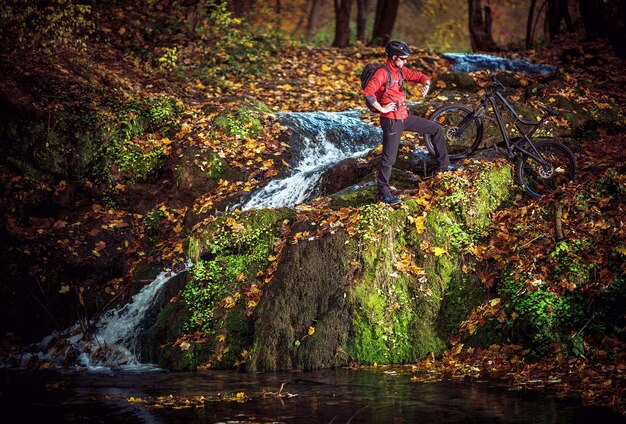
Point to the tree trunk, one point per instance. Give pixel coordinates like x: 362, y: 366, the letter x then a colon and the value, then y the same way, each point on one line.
x: 556, y: 13
x: 529, y: 24
x: 386, y: 11
x: 605, y: 18
x: 592, y: 13
x: 617, y: 25
x: 314, y: 14
x: 241, y: 7
x: 342, y: 23
x: 480, y: 22
x: 361, y: 19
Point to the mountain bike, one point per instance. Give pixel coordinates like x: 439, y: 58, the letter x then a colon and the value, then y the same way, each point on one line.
x: 541, y: 165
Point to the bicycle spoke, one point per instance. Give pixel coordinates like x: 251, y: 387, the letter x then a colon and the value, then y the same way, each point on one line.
x: 540, y: 179
x: 462, y: 136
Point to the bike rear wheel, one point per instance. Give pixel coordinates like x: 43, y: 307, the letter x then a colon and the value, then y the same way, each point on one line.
x: 461, y: 142
x: 538, y: 180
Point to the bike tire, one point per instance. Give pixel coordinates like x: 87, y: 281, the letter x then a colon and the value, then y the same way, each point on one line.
x: 459, y: 145
x: 537, y: 181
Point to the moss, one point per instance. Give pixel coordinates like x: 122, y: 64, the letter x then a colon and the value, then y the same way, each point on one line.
x: 244, y: 121
x: 238, y: 331
x: 227, y: 255
x: 457, y: 80
x: 350, y: 290
x: 392, y: 312
x: 357, y: 195
x: 308, y: 290
x: 493, y: 189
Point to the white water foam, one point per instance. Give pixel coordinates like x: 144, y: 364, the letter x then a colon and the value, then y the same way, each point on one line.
x: 327, y: 138
x: 114, y: 343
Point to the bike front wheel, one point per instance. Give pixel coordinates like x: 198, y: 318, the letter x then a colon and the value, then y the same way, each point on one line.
x: 461, y: 131
x: 539, y: 179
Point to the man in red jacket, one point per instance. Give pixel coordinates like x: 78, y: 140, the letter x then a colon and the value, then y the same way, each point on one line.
x: 394, y: 116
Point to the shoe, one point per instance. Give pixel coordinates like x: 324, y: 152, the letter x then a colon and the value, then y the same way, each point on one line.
x: 390, y: 199
x: 450, y: 168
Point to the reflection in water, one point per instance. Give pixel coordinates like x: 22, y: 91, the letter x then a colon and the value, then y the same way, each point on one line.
x: 338, y: 396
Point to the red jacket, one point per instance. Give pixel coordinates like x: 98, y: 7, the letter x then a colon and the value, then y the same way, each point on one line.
x: 395, y: 93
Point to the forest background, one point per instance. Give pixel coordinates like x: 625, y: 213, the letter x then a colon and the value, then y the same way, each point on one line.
x: 104, y: 103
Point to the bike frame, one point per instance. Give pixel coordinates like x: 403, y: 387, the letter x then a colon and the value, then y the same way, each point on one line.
x: 512, y: 147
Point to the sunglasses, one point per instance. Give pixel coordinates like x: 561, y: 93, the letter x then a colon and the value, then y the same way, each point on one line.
x: 404, y: 59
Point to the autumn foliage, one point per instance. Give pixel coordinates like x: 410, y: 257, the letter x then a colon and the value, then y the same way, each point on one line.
x: 99, y: 227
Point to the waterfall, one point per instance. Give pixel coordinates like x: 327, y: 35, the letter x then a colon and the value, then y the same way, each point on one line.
x: 114, y: 342
x: 472, y: 62
x: 319, y: 141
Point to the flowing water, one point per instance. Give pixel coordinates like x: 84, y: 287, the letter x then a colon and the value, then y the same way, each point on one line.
x: 319, y: 140
x: 472, y: 62
x: 112, y: 344
x: 108, y: 383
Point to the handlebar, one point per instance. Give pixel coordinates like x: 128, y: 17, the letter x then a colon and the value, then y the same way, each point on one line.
x: 496, y: 84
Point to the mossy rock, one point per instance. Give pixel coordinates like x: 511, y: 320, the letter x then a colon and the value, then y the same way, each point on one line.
x: 343, y: 298
x: 456, y: 80
x: 245, y: 121
x: 199, y: 171
x: 308, y: 290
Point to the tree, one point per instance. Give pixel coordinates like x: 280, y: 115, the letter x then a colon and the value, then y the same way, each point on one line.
x: 556, y: 13
x: 342, y: 23
x: 530, y: 24
x: 386, y: 12
x: 361, y: 19
x: 606, y: 19
x: 314, y: 13
x: 480, y: 22
x: 241, y: 7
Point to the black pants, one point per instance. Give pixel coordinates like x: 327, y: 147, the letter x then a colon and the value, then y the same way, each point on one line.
x: 392, y: 131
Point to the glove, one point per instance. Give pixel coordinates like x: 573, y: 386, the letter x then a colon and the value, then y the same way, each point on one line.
x: 425, y: 89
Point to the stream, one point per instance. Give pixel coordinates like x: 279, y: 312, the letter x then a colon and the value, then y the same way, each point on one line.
x: 101, y: 378
x: 319, y: 140
x: 380, y: 395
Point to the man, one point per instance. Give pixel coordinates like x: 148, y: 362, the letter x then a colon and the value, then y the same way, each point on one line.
x: 394, y: 116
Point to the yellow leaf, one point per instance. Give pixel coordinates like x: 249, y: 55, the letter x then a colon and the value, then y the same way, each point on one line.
x: 311, y: 330
x: 185, y: 345
x: 494, y: 302
x: 178, y: 228
x: 438, y: 251
x: 420, y: 224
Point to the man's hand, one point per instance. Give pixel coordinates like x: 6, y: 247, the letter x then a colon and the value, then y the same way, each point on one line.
x: 389, y: 107
x: 425, y: 89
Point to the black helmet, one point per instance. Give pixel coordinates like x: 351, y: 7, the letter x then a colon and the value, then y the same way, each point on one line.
x: 398, y: 48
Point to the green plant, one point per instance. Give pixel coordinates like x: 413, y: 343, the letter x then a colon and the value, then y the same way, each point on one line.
x: 44, y: 26
x: 541, y: 319
x: 135, y: 148
x: 168, y: 60
x: 237, y: 48
x: 153, y: 223
x: 236, y: 249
